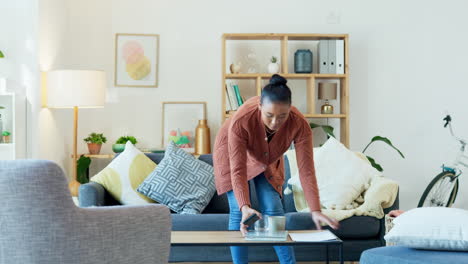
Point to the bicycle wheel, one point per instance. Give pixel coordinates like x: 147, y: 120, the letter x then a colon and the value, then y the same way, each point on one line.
x: 441, y: 191
x: 454, y: 193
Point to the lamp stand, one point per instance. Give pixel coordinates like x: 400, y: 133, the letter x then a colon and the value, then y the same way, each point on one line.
x: 74, y: 185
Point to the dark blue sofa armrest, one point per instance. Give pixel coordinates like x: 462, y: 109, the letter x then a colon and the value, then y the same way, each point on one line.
x: 94, y: 194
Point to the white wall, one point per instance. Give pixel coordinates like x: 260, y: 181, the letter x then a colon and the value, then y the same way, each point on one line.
x: 54, y: 47
x: 18, y: 41
x: 407, y: 66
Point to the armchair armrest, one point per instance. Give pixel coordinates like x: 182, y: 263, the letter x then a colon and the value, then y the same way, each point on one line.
x: 94, y: 194
x: 123, y: 234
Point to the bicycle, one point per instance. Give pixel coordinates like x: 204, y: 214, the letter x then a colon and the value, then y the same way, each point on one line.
x: 442, y: 190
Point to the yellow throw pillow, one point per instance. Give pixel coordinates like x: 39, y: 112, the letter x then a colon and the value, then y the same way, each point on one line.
x: 124, y: 174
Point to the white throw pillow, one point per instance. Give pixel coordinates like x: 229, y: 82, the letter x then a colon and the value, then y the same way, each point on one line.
x: 436, y: 228
x: 341, y: 175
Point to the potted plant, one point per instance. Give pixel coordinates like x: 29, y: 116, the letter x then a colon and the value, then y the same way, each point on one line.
x: 95, y: 142
x: 6, y: 136
x: 273, y: 67
x: 119, y: 145
x: 329, y: 131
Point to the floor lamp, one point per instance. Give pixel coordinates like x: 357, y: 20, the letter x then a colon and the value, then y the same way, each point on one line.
x: 75, y: 89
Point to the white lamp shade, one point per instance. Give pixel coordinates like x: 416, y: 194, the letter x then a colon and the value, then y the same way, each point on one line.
x: 81, y: 88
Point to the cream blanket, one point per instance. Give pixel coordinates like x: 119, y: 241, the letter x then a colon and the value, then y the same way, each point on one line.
x: 381, y: 193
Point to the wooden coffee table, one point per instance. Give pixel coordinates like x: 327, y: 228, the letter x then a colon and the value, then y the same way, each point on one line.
x: 235, y: 238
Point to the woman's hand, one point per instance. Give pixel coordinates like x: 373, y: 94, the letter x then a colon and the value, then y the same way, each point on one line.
x: 246, y: 213
x: 320, y: 218
x: 395, y: 213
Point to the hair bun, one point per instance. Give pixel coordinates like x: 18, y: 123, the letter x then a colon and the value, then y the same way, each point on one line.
x: 277, y: 79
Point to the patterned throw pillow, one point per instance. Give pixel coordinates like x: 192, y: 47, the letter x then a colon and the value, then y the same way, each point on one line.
x: 124, y: 174
x: 181, y: 182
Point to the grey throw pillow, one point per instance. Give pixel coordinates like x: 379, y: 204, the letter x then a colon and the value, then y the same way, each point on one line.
x: 180, y: 181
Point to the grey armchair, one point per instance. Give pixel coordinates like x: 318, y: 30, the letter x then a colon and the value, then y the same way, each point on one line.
x: 39, y: 223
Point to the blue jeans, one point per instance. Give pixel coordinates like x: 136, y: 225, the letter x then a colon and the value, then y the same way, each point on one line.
x: 270, y: 204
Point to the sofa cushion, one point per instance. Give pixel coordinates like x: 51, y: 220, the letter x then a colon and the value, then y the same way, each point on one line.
x: 357, y: 227
x: 181, y: 182
x: 204, y: 222
x: 124, y: 174
x: 399, y: 254
x: 340, y: 185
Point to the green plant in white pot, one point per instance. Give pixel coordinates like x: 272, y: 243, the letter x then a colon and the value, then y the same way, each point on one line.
x: 273, y: 67
x: 119, y: 145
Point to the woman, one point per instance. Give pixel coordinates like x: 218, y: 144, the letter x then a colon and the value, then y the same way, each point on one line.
x: 250, y: 147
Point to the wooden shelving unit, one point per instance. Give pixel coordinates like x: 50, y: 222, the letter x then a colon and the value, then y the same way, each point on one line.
x: 310, y: 79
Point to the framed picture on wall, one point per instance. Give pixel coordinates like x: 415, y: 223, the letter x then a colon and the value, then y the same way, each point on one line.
x: 136, y: 60
x: 179, y: 120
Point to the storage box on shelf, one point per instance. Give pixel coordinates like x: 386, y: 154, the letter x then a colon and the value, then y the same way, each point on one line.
x: 286, y: 56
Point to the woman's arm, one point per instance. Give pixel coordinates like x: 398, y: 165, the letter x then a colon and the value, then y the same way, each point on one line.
x: 305, y: 163
x: 237, y: 147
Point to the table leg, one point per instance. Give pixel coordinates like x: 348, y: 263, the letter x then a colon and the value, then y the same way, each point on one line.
x: 341, y: 253
x: 326, y: 254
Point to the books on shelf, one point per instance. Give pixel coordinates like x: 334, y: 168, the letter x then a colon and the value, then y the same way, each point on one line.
x: 238, y: 95
x: 331, y: 56
x: 233, y: 97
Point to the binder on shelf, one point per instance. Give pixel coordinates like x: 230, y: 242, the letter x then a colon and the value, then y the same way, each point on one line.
x: 340, y: 56
x: 332, y: 56
x: 232, y: 96
x: 238, y: 96
x: 228, y: 101
x: 323, y: 56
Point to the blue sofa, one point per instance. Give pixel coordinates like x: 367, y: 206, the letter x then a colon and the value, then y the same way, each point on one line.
x: 404, y: 255
x: 358, y: 232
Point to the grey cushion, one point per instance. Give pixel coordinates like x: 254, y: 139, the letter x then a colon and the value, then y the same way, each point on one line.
x: 404, y: 255
x: 181, y: 182
x: 200, y: 222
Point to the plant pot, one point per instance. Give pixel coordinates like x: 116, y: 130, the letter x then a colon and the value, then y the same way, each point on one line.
x: 6, y: 139
x: 117, y: 148
x: 273, y: 68
x: 94, y: 148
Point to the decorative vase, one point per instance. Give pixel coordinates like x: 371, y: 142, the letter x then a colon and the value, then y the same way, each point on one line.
x: 303, y: 61
x: 117, y: 148
x: 94, y: 148
x: 273, y: 68
x: 6, y: 139
x: 235, y: 68
x: 202, y: 138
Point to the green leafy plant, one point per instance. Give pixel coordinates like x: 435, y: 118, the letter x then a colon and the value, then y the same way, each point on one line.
x: 124, y: 139
x: 326, y: 128
x: 95, y: 138
x: 273, y: 59
x: 82, y: 165
x: 385, y: 140
x: 1, y: 54
x: 6, y: 133
x: 329, y: 131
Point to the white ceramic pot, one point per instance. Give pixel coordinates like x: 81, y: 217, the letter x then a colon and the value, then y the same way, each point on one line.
x: 273, y: 68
